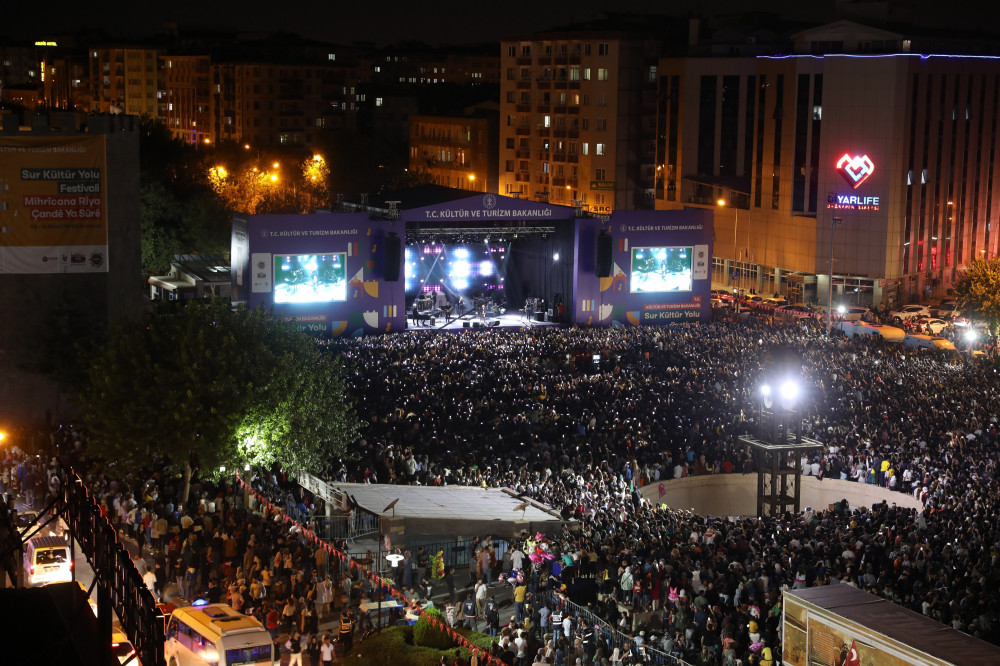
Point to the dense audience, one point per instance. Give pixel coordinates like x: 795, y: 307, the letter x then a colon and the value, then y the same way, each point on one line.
x: 532, y: 410
x: 581, y: 419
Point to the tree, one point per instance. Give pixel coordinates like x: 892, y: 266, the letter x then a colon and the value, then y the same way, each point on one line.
x: 977, y: 290
x: 179, y: 213
x: 206, y: 385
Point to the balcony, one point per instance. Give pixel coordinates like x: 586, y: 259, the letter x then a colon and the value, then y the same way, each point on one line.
x: 524, y: 84
x: 524, y: 61
x: 559, y: 133
x: 523, y: 108
x: 573, y: 110
x: 522, y: 131
x: 522, y: 154
x: 543, y: 84
x: 562, y: 85
x: 558, y: 181
x: 573, y: 134
x: 543, y: 108
x: 560, y: 109
x: 522, y: 177
x: 558, y: 157
x: 543, y: 155
x: 545, y: 60
x: 574, y: 85
x: 572, y: 158
x: 544, y: 131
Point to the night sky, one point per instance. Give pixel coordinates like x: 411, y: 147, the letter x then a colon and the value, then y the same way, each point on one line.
x: 390, y: 21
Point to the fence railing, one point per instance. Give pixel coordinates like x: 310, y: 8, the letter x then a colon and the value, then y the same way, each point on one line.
x: 615, y: 638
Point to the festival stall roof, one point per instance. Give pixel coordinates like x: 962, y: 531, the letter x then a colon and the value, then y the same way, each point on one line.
x: 451, y: 510
x: 901, y: 625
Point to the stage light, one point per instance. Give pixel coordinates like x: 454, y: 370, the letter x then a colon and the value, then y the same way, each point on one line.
x: 971, y: 335
x: 461, y: 269
x: 555, y: 257
x: 789, y: 393
x: 765, y: 390
x: 485, y: 268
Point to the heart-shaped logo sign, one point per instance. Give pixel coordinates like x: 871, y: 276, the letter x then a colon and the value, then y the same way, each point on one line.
x: 855, y: 170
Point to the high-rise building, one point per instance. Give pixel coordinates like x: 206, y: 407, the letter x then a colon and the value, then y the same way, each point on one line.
x: 456, y: 151
x: 577, y: 114
x: 187, y: 97
x: 889, y: 155
x: 125, y: 79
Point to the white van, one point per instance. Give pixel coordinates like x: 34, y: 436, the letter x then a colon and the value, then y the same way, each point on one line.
x: 218, y: 635
x: 47, y: 560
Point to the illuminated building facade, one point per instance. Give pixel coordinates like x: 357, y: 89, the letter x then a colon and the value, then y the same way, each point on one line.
x: 892, y: 156
x: 187, y: 98
x: 125, y: 80
x: 458, y: 152
x: 577, y: 114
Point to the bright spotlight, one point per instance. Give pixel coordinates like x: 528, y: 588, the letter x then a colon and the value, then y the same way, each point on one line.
x: 789, y: 391
x: 971, y: 335
x: 765, y: 389
x: 555, y: 257
x: 460, y: 253
x: 841, y: 309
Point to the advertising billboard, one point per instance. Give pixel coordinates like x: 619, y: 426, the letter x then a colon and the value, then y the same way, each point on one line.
x: 53, y: 204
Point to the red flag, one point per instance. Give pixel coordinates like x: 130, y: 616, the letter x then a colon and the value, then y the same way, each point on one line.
x: 852, y: 658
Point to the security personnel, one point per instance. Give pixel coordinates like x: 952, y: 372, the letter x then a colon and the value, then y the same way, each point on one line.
x: 346, y: 634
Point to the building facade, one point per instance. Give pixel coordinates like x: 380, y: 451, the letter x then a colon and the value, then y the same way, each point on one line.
x: 458, y: 152
x: 187, y: 99
x: 577, y: 112
x: 125, y: 80
x: 885, y: 162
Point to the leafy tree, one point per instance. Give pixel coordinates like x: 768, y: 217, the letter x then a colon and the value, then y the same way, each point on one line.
x: 206, y: 385
x: 179, y: 213
x: 978, y: 291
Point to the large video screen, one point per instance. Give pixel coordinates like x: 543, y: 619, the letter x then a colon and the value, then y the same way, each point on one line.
x: 310, y: 278
x: 661, y: 269
x: 469, y: 270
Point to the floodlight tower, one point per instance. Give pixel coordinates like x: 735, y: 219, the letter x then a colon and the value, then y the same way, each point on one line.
x: 778, y: 444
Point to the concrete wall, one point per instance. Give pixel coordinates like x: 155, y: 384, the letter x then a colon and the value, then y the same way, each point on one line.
x: 736, y: 494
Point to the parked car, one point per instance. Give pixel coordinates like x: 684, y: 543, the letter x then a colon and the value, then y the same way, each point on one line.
x: 853, y: 313
x: 945, y: 310
x: 933, y: 324
x: 909, y: 312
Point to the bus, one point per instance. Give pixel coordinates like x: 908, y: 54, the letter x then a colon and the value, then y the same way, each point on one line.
x: 218, y: 635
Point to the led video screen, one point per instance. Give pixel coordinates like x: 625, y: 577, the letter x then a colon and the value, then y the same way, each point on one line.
x: 661, y: 269
x: 310, y: 278
x: 458, y: 269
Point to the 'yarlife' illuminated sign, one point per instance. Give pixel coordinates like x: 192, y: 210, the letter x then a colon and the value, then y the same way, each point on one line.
x: 855, y: 169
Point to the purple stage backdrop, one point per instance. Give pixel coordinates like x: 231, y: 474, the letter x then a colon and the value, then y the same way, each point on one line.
x: 660, y: 273
x: 327, y: 271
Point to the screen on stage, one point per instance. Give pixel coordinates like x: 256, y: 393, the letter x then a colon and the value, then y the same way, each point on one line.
x: 660, y: 269
x: 310, y: 278
x: 468, y: 269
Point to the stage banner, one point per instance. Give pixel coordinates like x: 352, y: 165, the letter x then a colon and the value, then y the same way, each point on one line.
x: 53, y: 205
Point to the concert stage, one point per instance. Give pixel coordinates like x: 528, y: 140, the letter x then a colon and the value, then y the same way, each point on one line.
x: 510, y: 319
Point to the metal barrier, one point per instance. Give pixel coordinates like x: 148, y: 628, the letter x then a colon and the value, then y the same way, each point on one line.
x: 615, y: 638
x: 119, y: 584
x: 457, y: 553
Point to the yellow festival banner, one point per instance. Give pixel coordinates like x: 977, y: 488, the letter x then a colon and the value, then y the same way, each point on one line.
x: 53, y: 205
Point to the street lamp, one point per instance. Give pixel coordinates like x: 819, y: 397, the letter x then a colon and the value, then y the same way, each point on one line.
x: 834, y: 221
x: 736, y: 226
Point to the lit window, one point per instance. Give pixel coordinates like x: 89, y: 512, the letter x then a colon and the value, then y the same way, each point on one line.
x: 378, y: 101
x: 602, y: 74
x: 331, y: 56
x: 599, y: 149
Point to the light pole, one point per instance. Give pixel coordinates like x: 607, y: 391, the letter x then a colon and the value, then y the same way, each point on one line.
x: 736, y: 227
x: 834, y: 221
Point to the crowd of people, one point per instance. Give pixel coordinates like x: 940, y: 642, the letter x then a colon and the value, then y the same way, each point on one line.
x: 533, y: 411
x: 581, y: 419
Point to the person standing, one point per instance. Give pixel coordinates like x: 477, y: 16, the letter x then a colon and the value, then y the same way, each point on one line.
x: 326, y: 651
x: 294, y: 647
x: 469, y: 611
x: 480, y: 596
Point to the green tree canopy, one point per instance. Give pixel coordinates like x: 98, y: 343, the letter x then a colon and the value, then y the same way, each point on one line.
x: 179, y: 213
x: 978, y: 291
x: 206, y: 385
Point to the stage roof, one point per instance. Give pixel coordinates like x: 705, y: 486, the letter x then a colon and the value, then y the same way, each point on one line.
x: 447, y: 502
